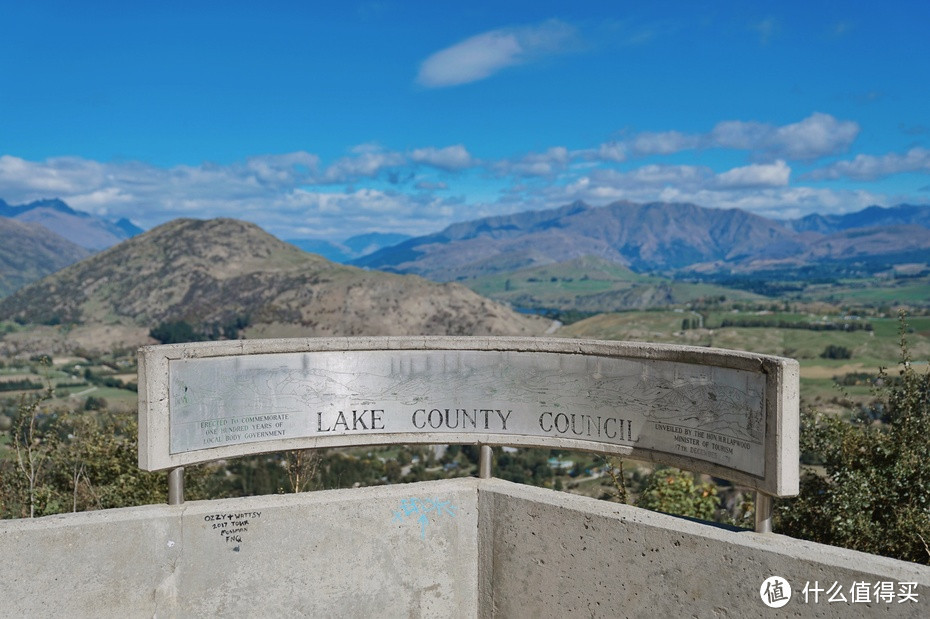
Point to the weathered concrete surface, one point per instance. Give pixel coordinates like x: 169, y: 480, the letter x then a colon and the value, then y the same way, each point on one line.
x: 551, y: 554
x: 456, y: 548
x: 351, y: 553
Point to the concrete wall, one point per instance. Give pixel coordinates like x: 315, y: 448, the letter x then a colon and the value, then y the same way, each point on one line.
x: 370, y: 552
x: 551, y: 554
x: 458, y: 548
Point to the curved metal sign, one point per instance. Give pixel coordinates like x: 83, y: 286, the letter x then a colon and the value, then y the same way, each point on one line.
x: 730, y: 414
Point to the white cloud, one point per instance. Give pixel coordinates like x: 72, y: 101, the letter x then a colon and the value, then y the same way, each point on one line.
x: 612, y: 151
x: 739, y: 135
x: 485, y: 54
x: 547, y: 163
x: 366, y: 162
x: 285, y: 169
x: 668, y: 175
x: 338, y: 215
x: 818, y: 135
x: 697, y: 185
x: 23, y: 180
x: 870, y: 167
x: 755, y: 175
x: 645, y: 183
x: 101, y: 201
x: 450, y: 158
x: 269, y: 190
x: 664, y: 143
x: 374, y: 188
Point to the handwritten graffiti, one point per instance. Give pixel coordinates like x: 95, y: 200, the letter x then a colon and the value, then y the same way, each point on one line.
x: 422, y: 509
x: 231, y: 527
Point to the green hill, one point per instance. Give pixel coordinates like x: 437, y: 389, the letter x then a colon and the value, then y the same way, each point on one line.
x: 592, y: 284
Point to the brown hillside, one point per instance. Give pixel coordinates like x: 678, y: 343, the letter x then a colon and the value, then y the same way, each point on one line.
x: 217, y: 271
x: 29, y: 251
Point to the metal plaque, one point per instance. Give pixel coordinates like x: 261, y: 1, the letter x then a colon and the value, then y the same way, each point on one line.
x: 678, y: 411
x: 708, y: 413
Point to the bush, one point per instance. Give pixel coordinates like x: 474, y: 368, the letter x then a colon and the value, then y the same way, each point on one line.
x: 73, y: 462
x: 94, y: 403
x: 675, y: 492
x: 875, y: 494
x: 174, y: 333
x: 23, y: 384
x: 836, y: 352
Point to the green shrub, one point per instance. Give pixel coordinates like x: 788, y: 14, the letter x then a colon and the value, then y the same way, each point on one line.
x: 175, y: 333
x: 676, y: 492
x: 875, y: 493
x: 833, y: 351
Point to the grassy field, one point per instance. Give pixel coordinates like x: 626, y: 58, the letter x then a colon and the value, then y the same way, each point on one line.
x: 873, y: 291
x: 869, y: 350
x: 70, y: 386
x: 594, y: 285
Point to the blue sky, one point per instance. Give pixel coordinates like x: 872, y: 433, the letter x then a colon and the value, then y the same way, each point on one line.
x: 325, y: 120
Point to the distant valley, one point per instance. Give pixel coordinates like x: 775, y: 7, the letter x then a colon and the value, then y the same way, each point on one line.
x: 627, y: 256
x: 350, y: 249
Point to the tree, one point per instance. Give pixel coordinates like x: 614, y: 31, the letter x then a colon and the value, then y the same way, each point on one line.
x: 832, y: 351
x: 21, y: 487
x: 175, y: 332
x: 94, y: 403
x: 73, y: 462
x: 676, y: 492
x: 302, y: 469
x: 95, y: 463
x: 614, y: 469
x: 875, y: 493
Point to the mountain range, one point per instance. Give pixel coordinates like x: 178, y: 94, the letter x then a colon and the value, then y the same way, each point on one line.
x: 666, y: 238
x: 83, y: 229
x: 598, y: 255
x: 226, y: 274
x: 871, y: 217
x: 30, y: 251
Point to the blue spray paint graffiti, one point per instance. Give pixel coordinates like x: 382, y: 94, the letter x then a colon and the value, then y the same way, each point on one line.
x: 422, y: 508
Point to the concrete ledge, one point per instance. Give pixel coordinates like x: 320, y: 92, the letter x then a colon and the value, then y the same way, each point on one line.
x: 454, y: 548
x: 368, y: 552
x: 545, y: 553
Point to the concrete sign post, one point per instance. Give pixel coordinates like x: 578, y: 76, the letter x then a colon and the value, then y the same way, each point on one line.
x: 729, y: 414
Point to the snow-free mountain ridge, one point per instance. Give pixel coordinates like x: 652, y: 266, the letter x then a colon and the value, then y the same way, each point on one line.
x: 657, y: 237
